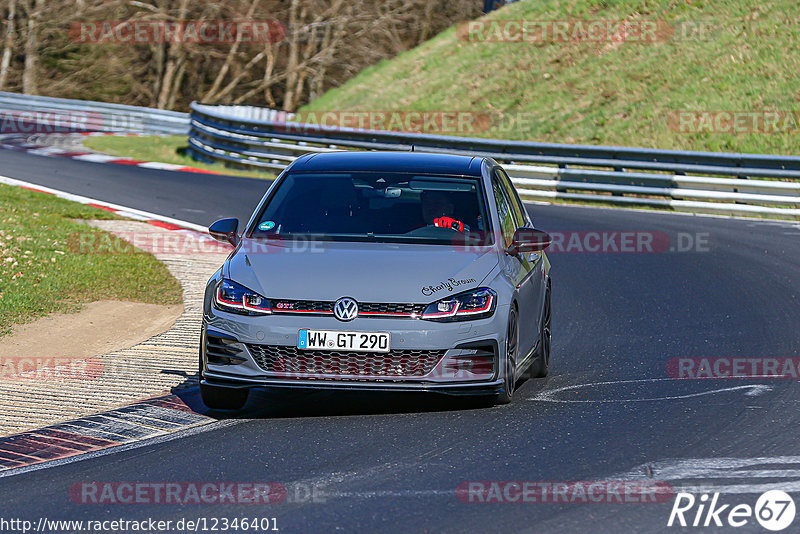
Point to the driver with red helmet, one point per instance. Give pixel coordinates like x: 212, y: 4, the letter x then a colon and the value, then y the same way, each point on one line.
x: 438, y: 211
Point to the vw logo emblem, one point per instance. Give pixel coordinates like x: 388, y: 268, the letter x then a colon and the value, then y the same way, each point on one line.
x: 345, y: 309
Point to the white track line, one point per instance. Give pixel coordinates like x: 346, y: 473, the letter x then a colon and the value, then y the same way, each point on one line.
x: 751, y: 390
x: 97, y: 158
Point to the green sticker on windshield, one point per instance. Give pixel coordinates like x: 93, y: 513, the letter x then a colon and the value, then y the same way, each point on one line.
x: 266, y: 225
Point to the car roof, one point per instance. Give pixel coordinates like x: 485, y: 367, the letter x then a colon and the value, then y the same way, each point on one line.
x: 405, y: 162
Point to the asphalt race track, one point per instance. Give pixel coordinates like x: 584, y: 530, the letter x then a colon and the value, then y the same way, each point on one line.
x: 393, y: 463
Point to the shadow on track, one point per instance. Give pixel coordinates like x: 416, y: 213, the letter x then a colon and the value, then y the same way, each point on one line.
x: 279, y: 403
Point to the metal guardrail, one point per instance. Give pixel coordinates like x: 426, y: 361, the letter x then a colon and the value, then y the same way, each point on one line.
x: 87, y: 115
x: 702, y: 182
x: 253, y: 113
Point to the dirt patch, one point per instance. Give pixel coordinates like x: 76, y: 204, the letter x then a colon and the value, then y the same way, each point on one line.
x: 101, y: 327
x: 158, y: 357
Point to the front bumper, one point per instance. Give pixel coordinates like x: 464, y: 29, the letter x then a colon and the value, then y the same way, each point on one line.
x: 482, y: 388
x: 460, y: 344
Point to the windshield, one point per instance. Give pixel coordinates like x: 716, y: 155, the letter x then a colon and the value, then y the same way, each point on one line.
x: 424, y: 209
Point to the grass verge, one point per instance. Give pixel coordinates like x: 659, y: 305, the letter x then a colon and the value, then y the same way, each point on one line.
x: 40, y: 273
x: 165, y: 149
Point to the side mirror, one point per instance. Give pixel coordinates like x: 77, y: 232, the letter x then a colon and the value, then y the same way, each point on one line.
x: 529, y: 240
x: 224, y: 230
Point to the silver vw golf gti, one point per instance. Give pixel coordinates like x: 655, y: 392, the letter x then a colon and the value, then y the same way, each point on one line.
x: 390, y: 271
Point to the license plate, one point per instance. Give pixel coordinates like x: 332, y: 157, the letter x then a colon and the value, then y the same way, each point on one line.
x: 338, y: 340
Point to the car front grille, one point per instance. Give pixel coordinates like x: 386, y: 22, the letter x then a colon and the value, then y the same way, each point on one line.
x: 302, y: 306
x: 390, y: 309
x: 366, y: 309
x: 293, y: 362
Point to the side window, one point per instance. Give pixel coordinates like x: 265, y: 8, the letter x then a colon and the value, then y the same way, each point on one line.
x: 520, y: 216
x: 504, y: 211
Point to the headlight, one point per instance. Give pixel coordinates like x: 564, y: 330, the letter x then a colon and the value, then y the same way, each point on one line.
x: 235, y: 298
x: 475, y: 304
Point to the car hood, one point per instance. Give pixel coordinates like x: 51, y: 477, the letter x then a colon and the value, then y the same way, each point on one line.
x: 367, y: 272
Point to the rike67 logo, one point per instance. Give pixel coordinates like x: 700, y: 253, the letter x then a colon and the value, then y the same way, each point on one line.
x: 774, y: 510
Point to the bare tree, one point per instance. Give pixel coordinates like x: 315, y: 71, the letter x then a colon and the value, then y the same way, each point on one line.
x: 324, y: 43
x: 212, y: 93
x: 175, y: 65
x: 29, y: 74
x: 8, y: 44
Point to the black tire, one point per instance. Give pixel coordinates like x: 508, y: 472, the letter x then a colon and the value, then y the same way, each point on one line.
x: 509, y: 359
x: 222, y: 398
x: 541, y: 362
x: 200, y: 369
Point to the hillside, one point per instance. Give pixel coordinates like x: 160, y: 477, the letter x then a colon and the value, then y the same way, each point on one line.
x: 667, y: 92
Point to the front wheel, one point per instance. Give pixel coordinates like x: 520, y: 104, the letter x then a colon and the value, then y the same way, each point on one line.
x: 509, y: 360
x: 541, y: 363
x: 222, y: 398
